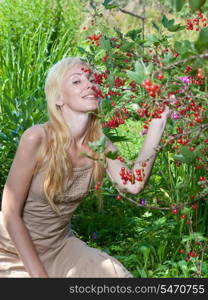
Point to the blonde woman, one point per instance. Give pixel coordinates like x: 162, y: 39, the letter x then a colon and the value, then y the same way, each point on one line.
x: 49, y: 177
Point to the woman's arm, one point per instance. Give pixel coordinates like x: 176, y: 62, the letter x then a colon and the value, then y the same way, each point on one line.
x: 14, y: 195
x: 149, y: 146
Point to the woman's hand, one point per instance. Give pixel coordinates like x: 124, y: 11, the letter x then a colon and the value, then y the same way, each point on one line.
x: 167, y: 112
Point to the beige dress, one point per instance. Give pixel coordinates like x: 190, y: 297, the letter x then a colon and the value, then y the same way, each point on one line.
x: 62, y: 254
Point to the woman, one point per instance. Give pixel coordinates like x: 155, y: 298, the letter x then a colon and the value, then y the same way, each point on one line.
x: 49, y: 177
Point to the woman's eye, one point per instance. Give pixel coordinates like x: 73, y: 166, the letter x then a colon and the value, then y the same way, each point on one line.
x: 77, y: 81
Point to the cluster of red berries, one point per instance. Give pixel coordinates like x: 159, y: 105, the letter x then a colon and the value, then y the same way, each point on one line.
x: 129, y: 54
x: 92, y: 24
x: 198, y: 79
x: 95, y: 39
x: 175, y: 211
x: 120, y: 158
x: 105, y: 58
x: 151, y: 88
x: 155, y: 114
x: 188, y: 69
x: 189, y: 254
x: 98, y: 92
x: 129, y: 176
x: 119, y: 197
x: 97, y: 77
x: 196, y: 23
x: 114, y: 122
x: 112, y: 93
x: 124, y: 109
x: 161, y: 76
x: 133, y: 85
x: 189, y: 105
x: 98, y: 185
x: 182, y: 141
x: 200, y: 74
x: 143, y: 112
x: 202, y: 180
x: 118, y: 82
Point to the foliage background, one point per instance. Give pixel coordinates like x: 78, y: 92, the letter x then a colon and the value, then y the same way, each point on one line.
x: 36, y: 34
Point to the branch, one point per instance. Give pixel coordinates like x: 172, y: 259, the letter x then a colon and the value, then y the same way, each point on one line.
x: 131, y: 14
x: 182, y: 61
x: 173, y: 137
x: 178, y: 135
x: 179, y: 206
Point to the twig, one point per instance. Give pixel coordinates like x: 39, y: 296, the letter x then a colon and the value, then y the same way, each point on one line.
x: 173, y: 137
x: 177, y: 135
x: 182, y: 61
x: 131, y: 14
x: 179, y: 206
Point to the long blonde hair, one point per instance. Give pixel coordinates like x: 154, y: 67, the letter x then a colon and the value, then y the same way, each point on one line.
x: 55, y: 157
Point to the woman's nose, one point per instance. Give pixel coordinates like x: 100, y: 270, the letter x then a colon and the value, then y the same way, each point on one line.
x: 89, y: 84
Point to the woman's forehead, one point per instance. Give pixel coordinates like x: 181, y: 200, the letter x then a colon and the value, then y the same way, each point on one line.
x: 78, y: 69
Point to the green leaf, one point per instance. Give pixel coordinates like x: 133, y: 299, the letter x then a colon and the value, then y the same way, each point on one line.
x: 169, y: 24
x: 106, y: 106
x: 119, y: 33
x: 141, y: 72
x: 109, y: 4
x: 3, y: 136
x: 99, y: 145
x: 186, y: 155
x: 89, y: 156
x: 145, y: 250
x: 82, y: 50
x: 155, y: 26
x: 114, y: 137
x: 177, y: 4
x: 133, y: 34
x: 168, y: 58
x: 151, y: 39
x: 149, y: 69
x: 193, y: 236
x: 189, y: 155
x: 105, y: 43
x: 202, y: 43
x: 184, y: 48
x: 134, y: 76
x: 127, y: 46
x: 180, y: 157
x: 196, y: 4
x: 112, y: 155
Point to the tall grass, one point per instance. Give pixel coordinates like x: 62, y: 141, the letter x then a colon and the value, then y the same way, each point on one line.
x: 34, y: 35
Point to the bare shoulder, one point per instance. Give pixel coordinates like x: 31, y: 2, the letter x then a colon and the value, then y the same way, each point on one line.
x: 34, y: 134
x: 32, y: 137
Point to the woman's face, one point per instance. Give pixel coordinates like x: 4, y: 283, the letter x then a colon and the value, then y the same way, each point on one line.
x: 77, y: 90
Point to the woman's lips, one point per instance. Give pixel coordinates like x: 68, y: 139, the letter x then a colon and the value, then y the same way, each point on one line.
x: 90, y: 97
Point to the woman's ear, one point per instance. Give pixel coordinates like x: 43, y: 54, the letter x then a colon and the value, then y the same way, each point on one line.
x: 59, y: 101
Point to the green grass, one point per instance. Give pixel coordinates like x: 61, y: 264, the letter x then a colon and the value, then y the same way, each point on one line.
x: 36, y: 34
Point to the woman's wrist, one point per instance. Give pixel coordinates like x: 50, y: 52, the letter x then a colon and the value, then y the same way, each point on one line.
x: 40, y: 275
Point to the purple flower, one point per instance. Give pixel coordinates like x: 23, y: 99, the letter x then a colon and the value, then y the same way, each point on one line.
x: 184, y: 79
x: 142, y: 201
x: 94, y: 236
x: 175, y: 116
x: 143, y: 132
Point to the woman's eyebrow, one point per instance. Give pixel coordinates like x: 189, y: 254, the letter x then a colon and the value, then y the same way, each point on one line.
x: 80, y: 74
x: 75, y: 74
